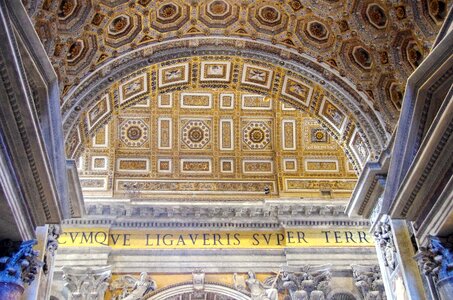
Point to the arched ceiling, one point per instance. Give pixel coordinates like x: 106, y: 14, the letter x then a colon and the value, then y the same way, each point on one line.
x: 211, y: 143
x: 372, y: 46
x: 211, y: 96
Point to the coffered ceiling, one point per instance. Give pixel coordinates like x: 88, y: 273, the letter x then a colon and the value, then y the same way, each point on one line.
x: 374, y: 45
x: 223, y: 95
x: 215, y: 124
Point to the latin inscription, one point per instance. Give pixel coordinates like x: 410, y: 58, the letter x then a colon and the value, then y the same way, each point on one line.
x: 221, y: 239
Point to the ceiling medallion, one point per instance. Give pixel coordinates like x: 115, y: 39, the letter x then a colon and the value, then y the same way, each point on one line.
x: 119, y: 25
x: 257, y: 135
x: 196, y: 134
x: 66, y: 8
x: 376, y: 16
x: 317, y: 31
x: 167, y: 12
x: 218, y: 8
x: 269, y: 15
x: 134, y: 132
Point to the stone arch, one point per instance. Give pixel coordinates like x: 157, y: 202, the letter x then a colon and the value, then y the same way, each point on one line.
x: 188, y: 288
x: 368, y: 124
x: 359, y: 102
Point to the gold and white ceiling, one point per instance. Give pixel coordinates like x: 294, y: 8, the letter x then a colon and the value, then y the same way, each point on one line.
x: 230, y: 133
x: 227, y: 95
x: 372, y: 45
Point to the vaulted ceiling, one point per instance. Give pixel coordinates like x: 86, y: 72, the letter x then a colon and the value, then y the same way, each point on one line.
x: 129, y: 69
x: 171, y: 133
x: 375, y: 45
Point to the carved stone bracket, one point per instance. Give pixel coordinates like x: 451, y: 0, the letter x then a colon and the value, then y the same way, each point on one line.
x: 369, y: 281
x: 383, y: 236
x: 87, y: 283
x: 437, y: 259
x: 18, y: 262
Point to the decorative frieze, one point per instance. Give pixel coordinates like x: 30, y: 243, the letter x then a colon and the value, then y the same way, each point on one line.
x: 271, y: 211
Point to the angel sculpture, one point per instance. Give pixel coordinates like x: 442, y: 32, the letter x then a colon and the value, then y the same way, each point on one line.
x: 258, y: 290
x: 133, y: 289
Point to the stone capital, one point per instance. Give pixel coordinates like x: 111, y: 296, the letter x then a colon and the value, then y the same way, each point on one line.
x: 18, y: 262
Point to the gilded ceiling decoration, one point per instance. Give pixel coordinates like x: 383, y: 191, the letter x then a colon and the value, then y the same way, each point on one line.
x: 371, y: 45
x: 171, y: 136
x: 207, y: 143
x: 188, y: 83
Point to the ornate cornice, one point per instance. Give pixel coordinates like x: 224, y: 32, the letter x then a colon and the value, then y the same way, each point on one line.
x: 240, y: 215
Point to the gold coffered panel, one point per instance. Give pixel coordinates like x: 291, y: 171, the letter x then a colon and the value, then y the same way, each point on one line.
x: 225, y: 141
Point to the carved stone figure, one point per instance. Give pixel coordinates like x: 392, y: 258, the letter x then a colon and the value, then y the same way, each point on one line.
x: 52, y: 246
x: 383, y: 235
x: 239, y: 282
x: 18, y: 262
x: 369, y: 282
x: 132, y: 288
x: 258, y: 290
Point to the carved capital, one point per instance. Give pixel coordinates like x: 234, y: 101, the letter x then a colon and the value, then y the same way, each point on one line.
x: 369, y: 281
x: 306, y: 282
x: 18, y: 262
x: 87, y: 283
x: 437, y: 259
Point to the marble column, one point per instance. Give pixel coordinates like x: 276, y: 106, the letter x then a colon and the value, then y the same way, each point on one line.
x: 87, y: 283
x: 18, y: 267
